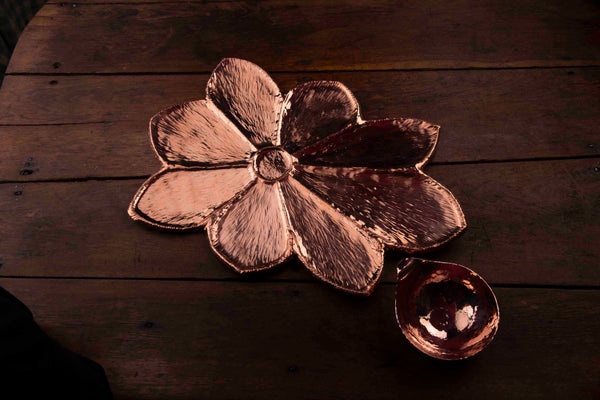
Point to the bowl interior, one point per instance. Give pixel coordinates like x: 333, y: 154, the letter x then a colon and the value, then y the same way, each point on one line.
x: 445, y: 310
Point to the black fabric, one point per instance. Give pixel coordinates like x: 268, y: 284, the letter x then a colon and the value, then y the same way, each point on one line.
x: 32, y: 365
x: 14, y: 16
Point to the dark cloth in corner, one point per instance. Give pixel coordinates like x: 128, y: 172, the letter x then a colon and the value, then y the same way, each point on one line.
x: 34, y: 366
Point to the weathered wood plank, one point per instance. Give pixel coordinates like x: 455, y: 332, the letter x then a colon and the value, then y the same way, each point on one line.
x: 485, y: 115
x: 216, y: 340
x: 291, y: 36
x: 69, y: 151
x: 529, y: 223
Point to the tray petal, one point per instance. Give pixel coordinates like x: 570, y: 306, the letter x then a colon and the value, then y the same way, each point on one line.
x: 331, y: 245
x: 387, y: 143
x: 197, y: 133
x: 407, y: 209
x: 183, y: 198
x: 248, y: 96
x: 315, y: 110
x: 252, y: 233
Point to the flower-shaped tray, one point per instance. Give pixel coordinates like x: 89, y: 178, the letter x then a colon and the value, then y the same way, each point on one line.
x: 271, y: 176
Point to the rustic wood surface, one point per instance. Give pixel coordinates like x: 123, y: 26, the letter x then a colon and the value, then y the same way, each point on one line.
x: 98, y: 122
x: 180, y: 340
x: 80, y: 229
x: 286, y: 35
x: 516, y: 89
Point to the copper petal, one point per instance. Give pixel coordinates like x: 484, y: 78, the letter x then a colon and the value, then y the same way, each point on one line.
x: 184, y: 198
x: 197, y: 133
x: 252, y: 233
x: 249, y: 97
x: 388, y: 143
x: 406, y: 209
x: 315, y: 110
x: 331, y: 245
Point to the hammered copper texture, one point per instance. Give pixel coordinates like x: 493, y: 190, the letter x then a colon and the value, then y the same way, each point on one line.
x: 252, y: 233
x: 177, y: 198
x: 273, y: 164
x: 332, y: 102
x: 304, y: 175
x: 445, y: 310
x: 424, y: 217
x: 249, y: 97
x: 332, y: 246
x: 185, y: 135
x: 388, y: 143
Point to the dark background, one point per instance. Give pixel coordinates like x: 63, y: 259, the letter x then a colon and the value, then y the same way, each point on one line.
x: 14, y: 16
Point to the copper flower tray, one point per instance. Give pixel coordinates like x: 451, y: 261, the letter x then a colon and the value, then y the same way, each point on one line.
x: 271, y: 175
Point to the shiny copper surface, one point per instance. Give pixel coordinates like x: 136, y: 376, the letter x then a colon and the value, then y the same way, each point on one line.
x: 273, y: 163
x: 270, y: 176
x: 445, y: 310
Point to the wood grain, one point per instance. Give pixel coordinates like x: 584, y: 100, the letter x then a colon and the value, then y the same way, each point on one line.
x: 485, y: 115
x: 72, y: 151
x: 528, y: 223
x: 287, y: 36
x: 216, y: 340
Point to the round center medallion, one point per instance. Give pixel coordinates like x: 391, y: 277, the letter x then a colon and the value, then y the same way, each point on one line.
x: 272, y: 163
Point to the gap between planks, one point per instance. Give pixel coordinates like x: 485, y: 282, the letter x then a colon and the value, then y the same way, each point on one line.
x: 499, y: 285
x: 313, y: 71
x: 475, y: 162
x: 486, y: 116
x: 539, y: 222
x: 208, y: 340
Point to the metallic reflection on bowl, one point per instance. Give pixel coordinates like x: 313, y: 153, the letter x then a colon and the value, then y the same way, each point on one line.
x: 445, y: 310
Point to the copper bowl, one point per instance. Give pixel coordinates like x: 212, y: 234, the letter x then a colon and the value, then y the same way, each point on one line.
x: 445, y: 310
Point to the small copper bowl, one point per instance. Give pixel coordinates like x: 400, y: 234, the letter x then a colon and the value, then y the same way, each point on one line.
x: 445, y: 310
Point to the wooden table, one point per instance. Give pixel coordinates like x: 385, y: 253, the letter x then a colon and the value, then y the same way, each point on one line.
x: 516, y: 88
